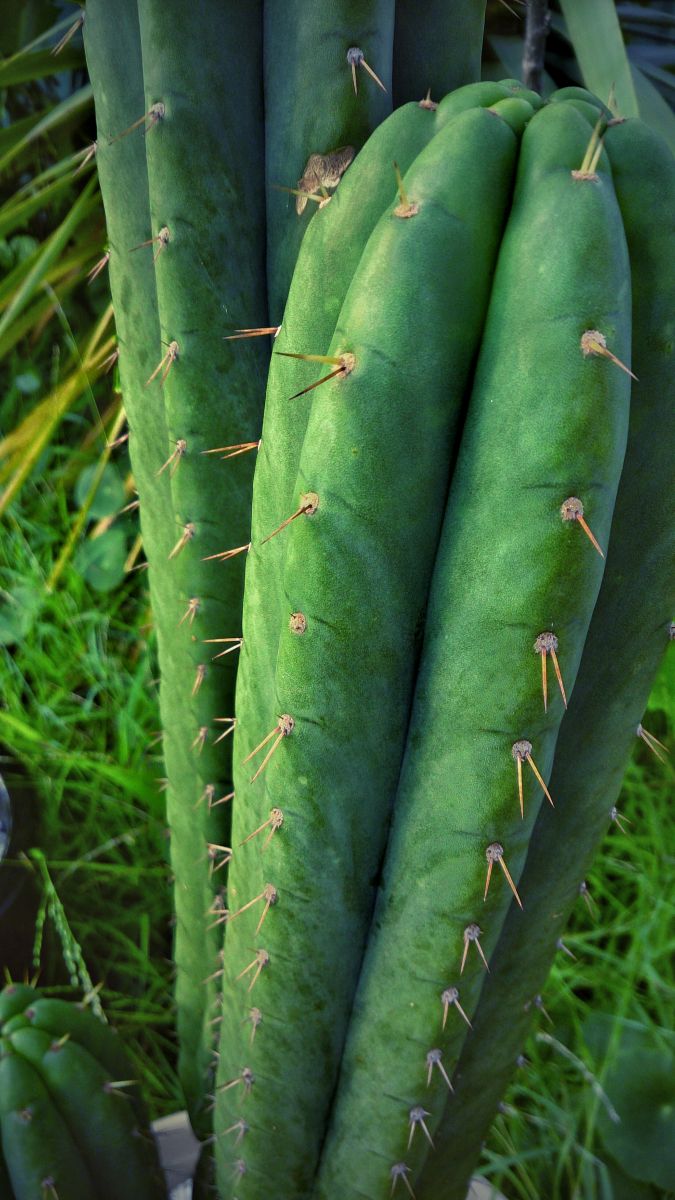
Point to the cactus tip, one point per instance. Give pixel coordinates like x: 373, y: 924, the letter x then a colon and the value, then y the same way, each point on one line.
x: 472, y: 933
x: 309, y: 502
x: 547, y: 643
x: 653, y: 743
x: 434, y: 1058
x: 450, y: 996
x: 401, y: 1171
x: 257, y: 965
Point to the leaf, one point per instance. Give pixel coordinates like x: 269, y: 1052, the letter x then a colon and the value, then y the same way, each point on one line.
x: 509, y: 51
x: 18, y: 609
x: 109, y: 495
x: 60, y: 114
x: 16, y: 215
x: 51, y: 250
x: 101, y: 562
x: 596, y: 36
x: 24, y: 68
x: 640, y: 1082
x: 654, y: 110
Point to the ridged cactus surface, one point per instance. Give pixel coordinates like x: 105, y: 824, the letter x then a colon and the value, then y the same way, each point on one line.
x: 629, y: 630
x: 72, y: 1125
x: 395, y: 753
x: 455, y: 556
x: 207, y: 116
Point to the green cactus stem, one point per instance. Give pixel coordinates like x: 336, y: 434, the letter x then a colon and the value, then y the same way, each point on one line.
x: 628, y: 635
x: 309, y: 320
x: 437, y: 47
x: 311, y: 108
x: 480, y: 742
x: 70, y: 1126
x: 206, y: 187
x: 377, y: 487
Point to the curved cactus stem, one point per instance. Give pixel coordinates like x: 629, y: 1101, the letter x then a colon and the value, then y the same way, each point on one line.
x: 100, y: 1119
x: 360, y: 463
x: 206, y: 187
x: 80, y: 1122
x: 627, y: 638
x: 526, y: 436
x: 437, y: 47
x: 309, y: 321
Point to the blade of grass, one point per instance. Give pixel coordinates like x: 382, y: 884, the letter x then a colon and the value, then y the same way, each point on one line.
x: 60, y: 114
x: 81, y: 519
x: 86, y: 202
x: 75, y: 260
x: 18, y: 131
x: 16, y: 215
x: 62, y: 397
x: 25, y: 68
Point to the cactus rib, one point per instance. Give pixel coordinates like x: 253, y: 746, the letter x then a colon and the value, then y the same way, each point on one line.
x: 627, y: 638
x: 542, y: 420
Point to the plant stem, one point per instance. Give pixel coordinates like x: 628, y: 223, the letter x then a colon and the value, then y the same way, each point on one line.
x: 537, y: 24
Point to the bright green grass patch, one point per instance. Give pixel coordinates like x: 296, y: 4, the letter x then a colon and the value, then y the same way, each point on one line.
x: 77, y: 724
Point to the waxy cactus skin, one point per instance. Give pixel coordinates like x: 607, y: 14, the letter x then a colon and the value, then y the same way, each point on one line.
x: 436, y: 572
x: 72, y: 1124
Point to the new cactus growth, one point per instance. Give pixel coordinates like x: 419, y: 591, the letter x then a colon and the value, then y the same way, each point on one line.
x: 455, y: 566
x: 72, y: 1125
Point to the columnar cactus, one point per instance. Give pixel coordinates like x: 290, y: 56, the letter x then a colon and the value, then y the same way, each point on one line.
x: 208, y: 115
x: 445, y: 629
x: 72, y: 1125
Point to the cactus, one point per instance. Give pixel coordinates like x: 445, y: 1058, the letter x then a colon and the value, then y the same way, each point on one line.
x: 449, y: 497
x: 200, y: 230
x: 72, y: 1124
x: 629, y: 629
x: 357, y: 1099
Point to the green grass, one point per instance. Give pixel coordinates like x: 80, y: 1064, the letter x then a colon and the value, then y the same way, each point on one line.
x: 78, y: 716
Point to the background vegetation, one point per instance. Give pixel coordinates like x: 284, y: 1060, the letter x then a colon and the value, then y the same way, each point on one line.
x: 83, y: 895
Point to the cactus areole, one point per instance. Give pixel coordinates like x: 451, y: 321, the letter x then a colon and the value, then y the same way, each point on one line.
x: 468, y: 347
